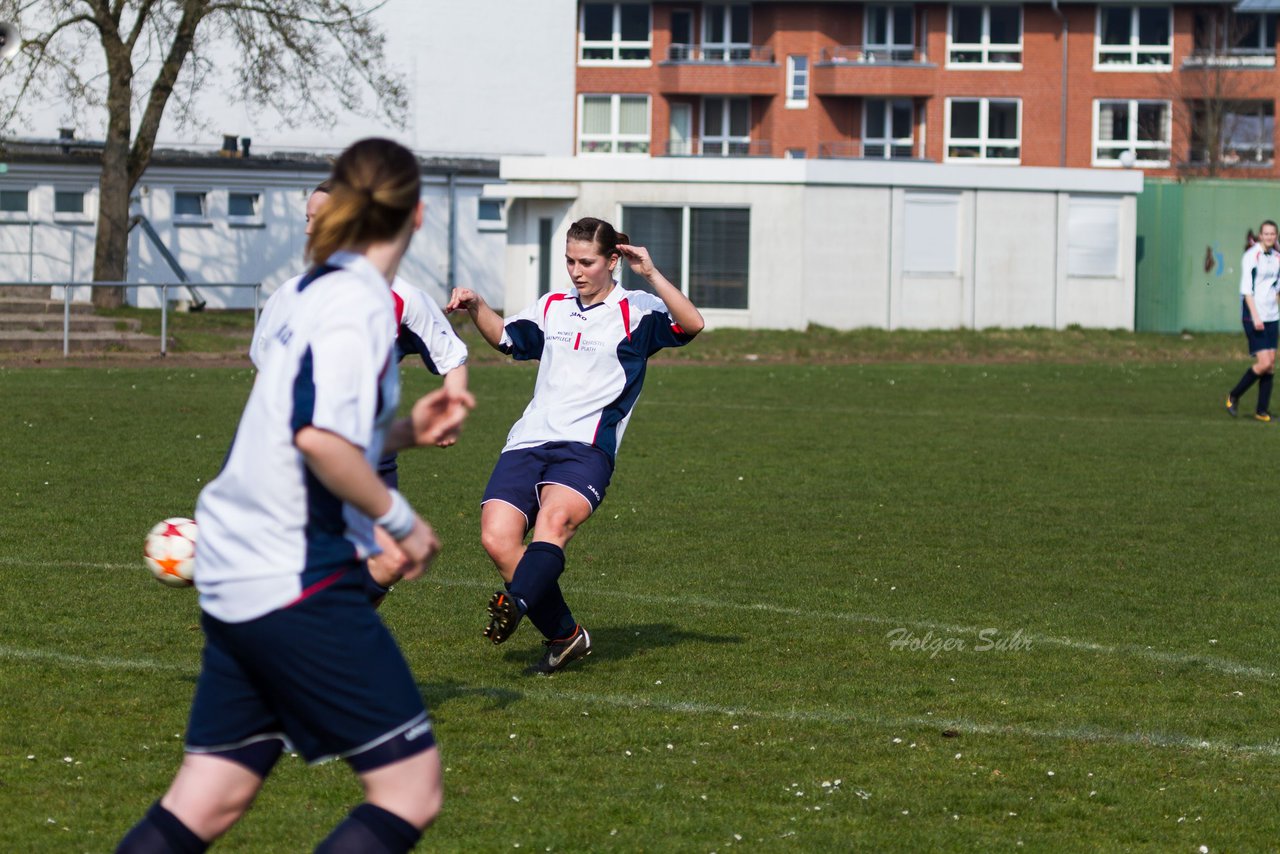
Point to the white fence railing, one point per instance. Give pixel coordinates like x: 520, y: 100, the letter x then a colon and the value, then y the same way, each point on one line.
x: 163, y: 287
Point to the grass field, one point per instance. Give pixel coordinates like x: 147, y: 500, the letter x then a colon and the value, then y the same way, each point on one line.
x: 888, y: 607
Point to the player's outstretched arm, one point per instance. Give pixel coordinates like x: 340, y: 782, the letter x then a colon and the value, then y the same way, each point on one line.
x: 682, y: 309
x: 455, y: 382
x: 436, y: 417
x: 488, y: 321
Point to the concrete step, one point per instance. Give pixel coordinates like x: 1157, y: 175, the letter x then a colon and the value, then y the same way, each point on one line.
x: 20, y: 305
x: 25, y: 291
x: 78, y: 323
x: 80, y: 342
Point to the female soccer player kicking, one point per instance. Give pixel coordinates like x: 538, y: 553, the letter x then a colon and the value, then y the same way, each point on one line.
x: 293, y: 650
x: 594, y: 341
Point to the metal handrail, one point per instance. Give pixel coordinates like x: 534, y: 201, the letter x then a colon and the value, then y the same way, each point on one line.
x: 720, y: 54
x: 164, y: 302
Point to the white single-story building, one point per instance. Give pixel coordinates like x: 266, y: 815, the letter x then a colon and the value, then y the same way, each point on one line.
x: 229, y: 219
x: 782, y: 244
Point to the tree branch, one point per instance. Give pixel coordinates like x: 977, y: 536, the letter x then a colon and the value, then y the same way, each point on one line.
x: 193, y: 12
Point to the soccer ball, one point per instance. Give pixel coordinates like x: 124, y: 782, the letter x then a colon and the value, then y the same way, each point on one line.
x: 170, y: 551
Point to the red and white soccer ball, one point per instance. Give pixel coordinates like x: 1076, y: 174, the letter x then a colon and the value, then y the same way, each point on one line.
x: 170, y: 551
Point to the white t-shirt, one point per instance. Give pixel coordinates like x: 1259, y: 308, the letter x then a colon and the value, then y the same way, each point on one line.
x: 592, y: 367
x: 1259, y: 272
x: 423, y: 327
x: 268, y: 527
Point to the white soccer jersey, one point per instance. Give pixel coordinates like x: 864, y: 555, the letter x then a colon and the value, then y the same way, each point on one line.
x: 268, y: 527
x: 1259, y: 273
x: 592, y: 364
x: 423, y: 328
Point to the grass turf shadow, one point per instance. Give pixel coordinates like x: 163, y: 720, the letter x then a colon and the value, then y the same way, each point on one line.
x: 615, y: 643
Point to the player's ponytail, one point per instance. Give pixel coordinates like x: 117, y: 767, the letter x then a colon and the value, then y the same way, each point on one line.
x: 373, y: 192
x: 605, y: 237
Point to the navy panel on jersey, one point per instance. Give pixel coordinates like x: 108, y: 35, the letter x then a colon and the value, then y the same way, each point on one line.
x: 408, y: 342
x: 335, y: 683
x: 526, y: 340
x: 519, y: 473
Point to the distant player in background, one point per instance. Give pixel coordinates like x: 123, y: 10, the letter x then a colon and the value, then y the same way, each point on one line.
x: 593, y: 342
x: 294, y: 653
x: 422, y: 329
x: 1260, y: 315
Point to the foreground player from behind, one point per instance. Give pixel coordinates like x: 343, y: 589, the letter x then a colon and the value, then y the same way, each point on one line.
x: 594, y: 342
x: 293, y: 649
x: 1260, y: 315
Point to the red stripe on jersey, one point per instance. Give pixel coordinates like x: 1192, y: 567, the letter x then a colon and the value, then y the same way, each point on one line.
x: 547, y: 307
x: 317, y: 587
x: 577, y: 341
x: 399, y: 308
x: 626, y: 316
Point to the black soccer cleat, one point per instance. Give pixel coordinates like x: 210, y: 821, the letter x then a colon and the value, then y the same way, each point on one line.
x: 1232, y: 408
x: 505, y: 614
x: 562, y: 652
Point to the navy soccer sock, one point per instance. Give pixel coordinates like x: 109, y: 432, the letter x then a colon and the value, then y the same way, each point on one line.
x: 1244, y: 385
x: 370, y: 829
x: 551, y: 616
x: 536, y: 573
x: 1264, y: 392
x: 161, y: 832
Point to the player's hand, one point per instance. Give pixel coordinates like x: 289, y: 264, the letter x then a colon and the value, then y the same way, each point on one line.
x: 1258, y: 326
x: 461, y: 298
x: 388, y: 566
x: 420, y: 548
x: 638, y: 259
x: 437, y: 417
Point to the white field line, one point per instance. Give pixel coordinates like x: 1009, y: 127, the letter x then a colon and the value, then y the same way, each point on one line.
x: 1220, y: 665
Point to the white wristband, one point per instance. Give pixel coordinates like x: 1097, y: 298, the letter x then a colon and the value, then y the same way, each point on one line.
x: 398, y: 520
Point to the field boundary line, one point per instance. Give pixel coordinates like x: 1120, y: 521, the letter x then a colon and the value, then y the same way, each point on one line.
x: 1220, y: 665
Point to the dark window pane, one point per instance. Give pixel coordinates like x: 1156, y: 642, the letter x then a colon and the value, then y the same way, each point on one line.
x: 188, y: 204
x: 1153, y: 25
x: 966, y: 24
x: 1002, y: 121
x: 1006, y: 25
x: 68, y: 201
x: 682, y: 27
x: 964, y: 120
x: 739, y: 117
x: 659, y: 231
x: 13, y: 201
x: 1117, y: 22
x: 902, y: 119
x: 1151, y: 122
x: 877, y: 25
x: 242, y: 204
x: 903, y: 25
x: 635, y: 22
x: 740, y: 24
x: 713, y: 117
x: 875, y: 119
x: 490, y: 210
x: 713, y: 16
x: 719, y: 251
x: 597, y: 22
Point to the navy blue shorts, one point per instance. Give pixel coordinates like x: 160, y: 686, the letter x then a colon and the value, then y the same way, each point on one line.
x: 323, y: 675
x: 519, y: 474
x: 1265, y: 339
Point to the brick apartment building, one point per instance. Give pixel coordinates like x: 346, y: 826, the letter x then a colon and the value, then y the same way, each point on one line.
x: 1173, y: 88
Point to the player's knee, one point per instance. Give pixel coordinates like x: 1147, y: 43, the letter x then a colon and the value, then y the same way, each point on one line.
x: 556, y: 524
x: 500, y: 547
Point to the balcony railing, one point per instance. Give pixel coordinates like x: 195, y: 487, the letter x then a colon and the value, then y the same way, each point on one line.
x: 859, y: 54
x: 721, y: 54
x: 1235, y: 57
x: 696, y: 147
x: 857, y: 149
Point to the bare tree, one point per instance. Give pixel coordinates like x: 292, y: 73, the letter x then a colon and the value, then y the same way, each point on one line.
x: 1214, y: 106
x: 305, y: 59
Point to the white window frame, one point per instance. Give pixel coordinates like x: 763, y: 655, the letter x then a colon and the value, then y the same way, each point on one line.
x: 889, y: 143
x: 29, y: 214
x: 201, y: 219
x: 726, y: 140
x: 499, y: 224
x: 730, y: 50
x: 982, y: 141
x: 615, y: 138
x: 1131, y: 143
x: 615, y: 43
x: 88, y: 215
x: 985, y: 47
x: 797, y: 81
x: 893, y: 49
x: 252, y: 221
x: 1134, y: 48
